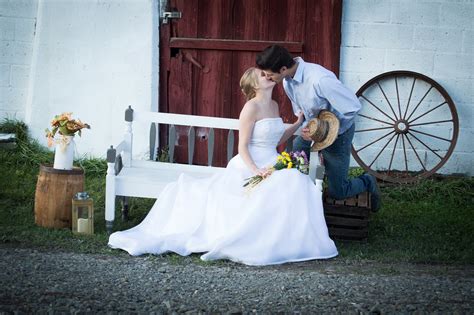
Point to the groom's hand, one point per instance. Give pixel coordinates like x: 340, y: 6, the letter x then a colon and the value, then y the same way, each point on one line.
x: 305, y: 134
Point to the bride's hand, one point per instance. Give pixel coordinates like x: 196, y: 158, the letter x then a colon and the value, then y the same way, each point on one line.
x: 264, y: 172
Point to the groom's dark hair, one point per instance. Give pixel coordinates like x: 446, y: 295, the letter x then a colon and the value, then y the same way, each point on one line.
x: 273, y: 58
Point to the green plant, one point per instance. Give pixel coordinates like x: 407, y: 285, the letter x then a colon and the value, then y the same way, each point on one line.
x: 355, y: 172
x: 163, y: 154
x: 19, y: 128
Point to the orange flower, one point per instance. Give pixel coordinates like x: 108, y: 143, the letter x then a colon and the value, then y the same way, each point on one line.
x: 65, y: 125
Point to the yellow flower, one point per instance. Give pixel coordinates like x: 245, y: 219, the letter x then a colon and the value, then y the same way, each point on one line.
x: 290, y: 165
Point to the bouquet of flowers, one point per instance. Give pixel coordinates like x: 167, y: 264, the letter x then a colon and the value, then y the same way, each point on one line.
x: 285, y: 160
x: 66, y: 126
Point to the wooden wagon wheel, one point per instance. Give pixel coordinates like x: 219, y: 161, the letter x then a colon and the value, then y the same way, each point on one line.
x: 407, y: 128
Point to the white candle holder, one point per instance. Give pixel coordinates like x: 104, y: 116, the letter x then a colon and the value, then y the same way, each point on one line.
x: 82, y: 214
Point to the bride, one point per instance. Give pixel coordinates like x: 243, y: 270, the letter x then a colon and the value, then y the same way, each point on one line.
x: 280, y: 220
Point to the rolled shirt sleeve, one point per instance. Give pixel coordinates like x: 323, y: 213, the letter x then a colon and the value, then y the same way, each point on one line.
x: 339, y: 96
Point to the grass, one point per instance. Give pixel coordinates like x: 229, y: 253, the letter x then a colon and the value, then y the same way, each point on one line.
x: 428, y: 222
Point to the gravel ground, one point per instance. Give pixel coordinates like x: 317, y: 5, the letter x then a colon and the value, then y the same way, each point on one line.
x: 39, y: 281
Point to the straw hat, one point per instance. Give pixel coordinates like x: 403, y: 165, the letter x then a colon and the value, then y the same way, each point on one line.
x: 323, y: 130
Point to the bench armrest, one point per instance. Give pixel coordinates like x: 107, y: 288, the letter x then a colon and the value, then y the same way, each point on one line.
x: 316, y: 170
x: 114, y: 157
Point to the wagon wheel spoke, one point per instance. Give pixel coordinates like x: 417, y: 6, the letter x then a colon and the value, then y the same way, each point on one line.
x: 381, y: 121
x: 428, y: 112
x: 416, y: 153
x: 388, y: 102
x: 393, y: 154
x: 405, y: 154
x: 432, y: 122
x: 390, y: 140
x: 421, y: 101
x: 398, y: 99
x: 365, y: 98
x: 377, y: 140
x: 409, y: 98
x: 373, y: 129
x: 426, y: 146
x: 430, y: 135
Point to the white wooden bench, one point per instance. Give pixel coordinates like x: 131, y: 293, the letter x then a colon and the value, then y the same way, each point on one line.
x: 129, y: 177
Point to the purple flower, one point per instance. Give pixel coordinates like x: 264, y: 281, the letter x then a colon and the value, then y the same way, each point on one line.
x: 305, y: 157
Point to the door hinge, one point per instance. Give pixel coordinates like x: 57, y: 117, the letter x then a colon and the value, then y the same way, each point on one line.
x: 170, y: 15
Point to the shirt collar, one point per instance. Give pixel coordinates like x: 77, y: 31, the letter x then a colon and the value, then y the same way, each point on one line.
x: 298, y: 77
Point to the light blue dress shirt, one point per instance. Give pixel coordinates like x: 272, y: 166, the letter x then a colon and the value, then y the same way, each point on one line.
x: 314, y: 88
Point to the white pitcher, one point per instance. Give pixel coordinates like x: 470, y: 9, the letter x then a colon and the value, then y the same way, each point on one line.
x: 64, y: 153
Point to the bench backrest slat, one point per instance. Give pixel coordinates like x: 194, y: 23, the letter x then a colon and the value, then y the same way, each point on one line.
x: 191, y: 139
x: 186, y: 120
x: 230, y: 145
x: 171, y: 142
x: 210, y: 147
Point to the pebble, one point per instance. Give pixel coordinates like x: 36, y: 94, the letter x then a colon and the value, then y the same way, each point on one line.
x: 52, y: 282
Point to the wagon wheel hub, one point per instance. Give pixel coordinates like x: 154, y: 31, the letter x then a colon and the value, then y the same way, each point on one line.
x: 402, y: 126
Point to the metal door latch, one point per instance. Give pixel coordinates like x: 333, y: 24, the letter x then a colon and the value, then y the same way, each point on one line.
x: 170, y: 15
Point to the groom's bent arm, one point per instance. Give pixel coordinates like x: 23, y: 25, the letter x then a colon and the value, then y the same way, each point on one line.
x: 340, y: 97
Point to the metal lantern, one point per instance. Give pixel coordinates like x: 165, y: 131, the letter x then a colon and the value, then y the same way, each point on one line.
x: 82, y: 214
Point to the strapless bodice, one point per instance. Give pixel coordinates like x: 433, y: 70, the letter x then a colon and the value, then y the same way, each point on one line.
x: 267, y: 133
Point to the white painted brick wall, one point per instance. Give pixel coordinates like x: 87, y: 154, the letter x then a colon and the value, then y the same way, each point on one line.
x: 432, y: 37
x: 440, y: 39
x: 93, y: 58
x: 17, y: 31
x: 467, y: 41
x: 409, y: 12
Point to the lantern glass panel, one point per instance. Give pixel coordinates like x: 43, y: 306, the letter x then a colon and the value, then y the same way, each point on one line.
x: 83, y: 215
x: 82, y: 212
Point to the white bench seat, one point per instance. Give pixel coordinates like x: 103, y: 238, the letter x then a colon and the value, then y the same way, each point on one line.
x: 128, y: 177
x: 148, y: 182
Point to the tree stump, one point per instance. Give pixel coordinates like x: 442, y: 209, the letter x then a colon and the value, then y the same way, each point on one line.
x: 54, y: 192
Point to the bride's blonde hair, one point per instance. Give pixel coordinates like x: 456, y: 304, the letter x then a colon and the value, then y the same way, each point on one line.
x: 249, y: 83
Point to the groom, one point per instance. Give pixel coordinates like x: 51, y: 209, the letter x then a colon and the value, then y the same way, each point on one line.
x: 312, y: 88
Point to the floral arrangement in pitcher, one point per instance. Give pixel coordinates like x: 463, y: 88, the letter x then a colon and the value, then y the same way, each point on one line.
x: 285, y: 160
x: 66, y: 126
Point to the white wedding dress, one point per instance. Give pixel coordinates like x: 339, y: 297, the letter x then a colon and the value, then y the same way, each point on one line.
x: 280, y: 220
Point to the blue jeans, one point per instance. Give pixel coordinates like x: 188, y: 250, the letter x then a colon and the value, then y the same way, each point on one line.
x: 336, y: 161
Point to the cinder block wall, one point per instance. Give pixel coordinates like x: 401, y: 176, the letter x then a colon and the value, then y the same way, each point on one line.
x: 17, y: 31
x: 434, y: 38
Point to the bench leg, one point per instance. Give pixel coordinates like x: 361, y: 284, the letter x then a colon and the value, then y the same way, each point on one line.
x: 110, y: 197
x: 124, y: 208
x: 109, y: 225
x: 109, y: 211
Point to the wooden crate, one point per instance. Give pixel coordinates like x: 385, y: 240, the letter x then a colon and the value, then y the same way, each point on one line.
x: 348, y: 219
